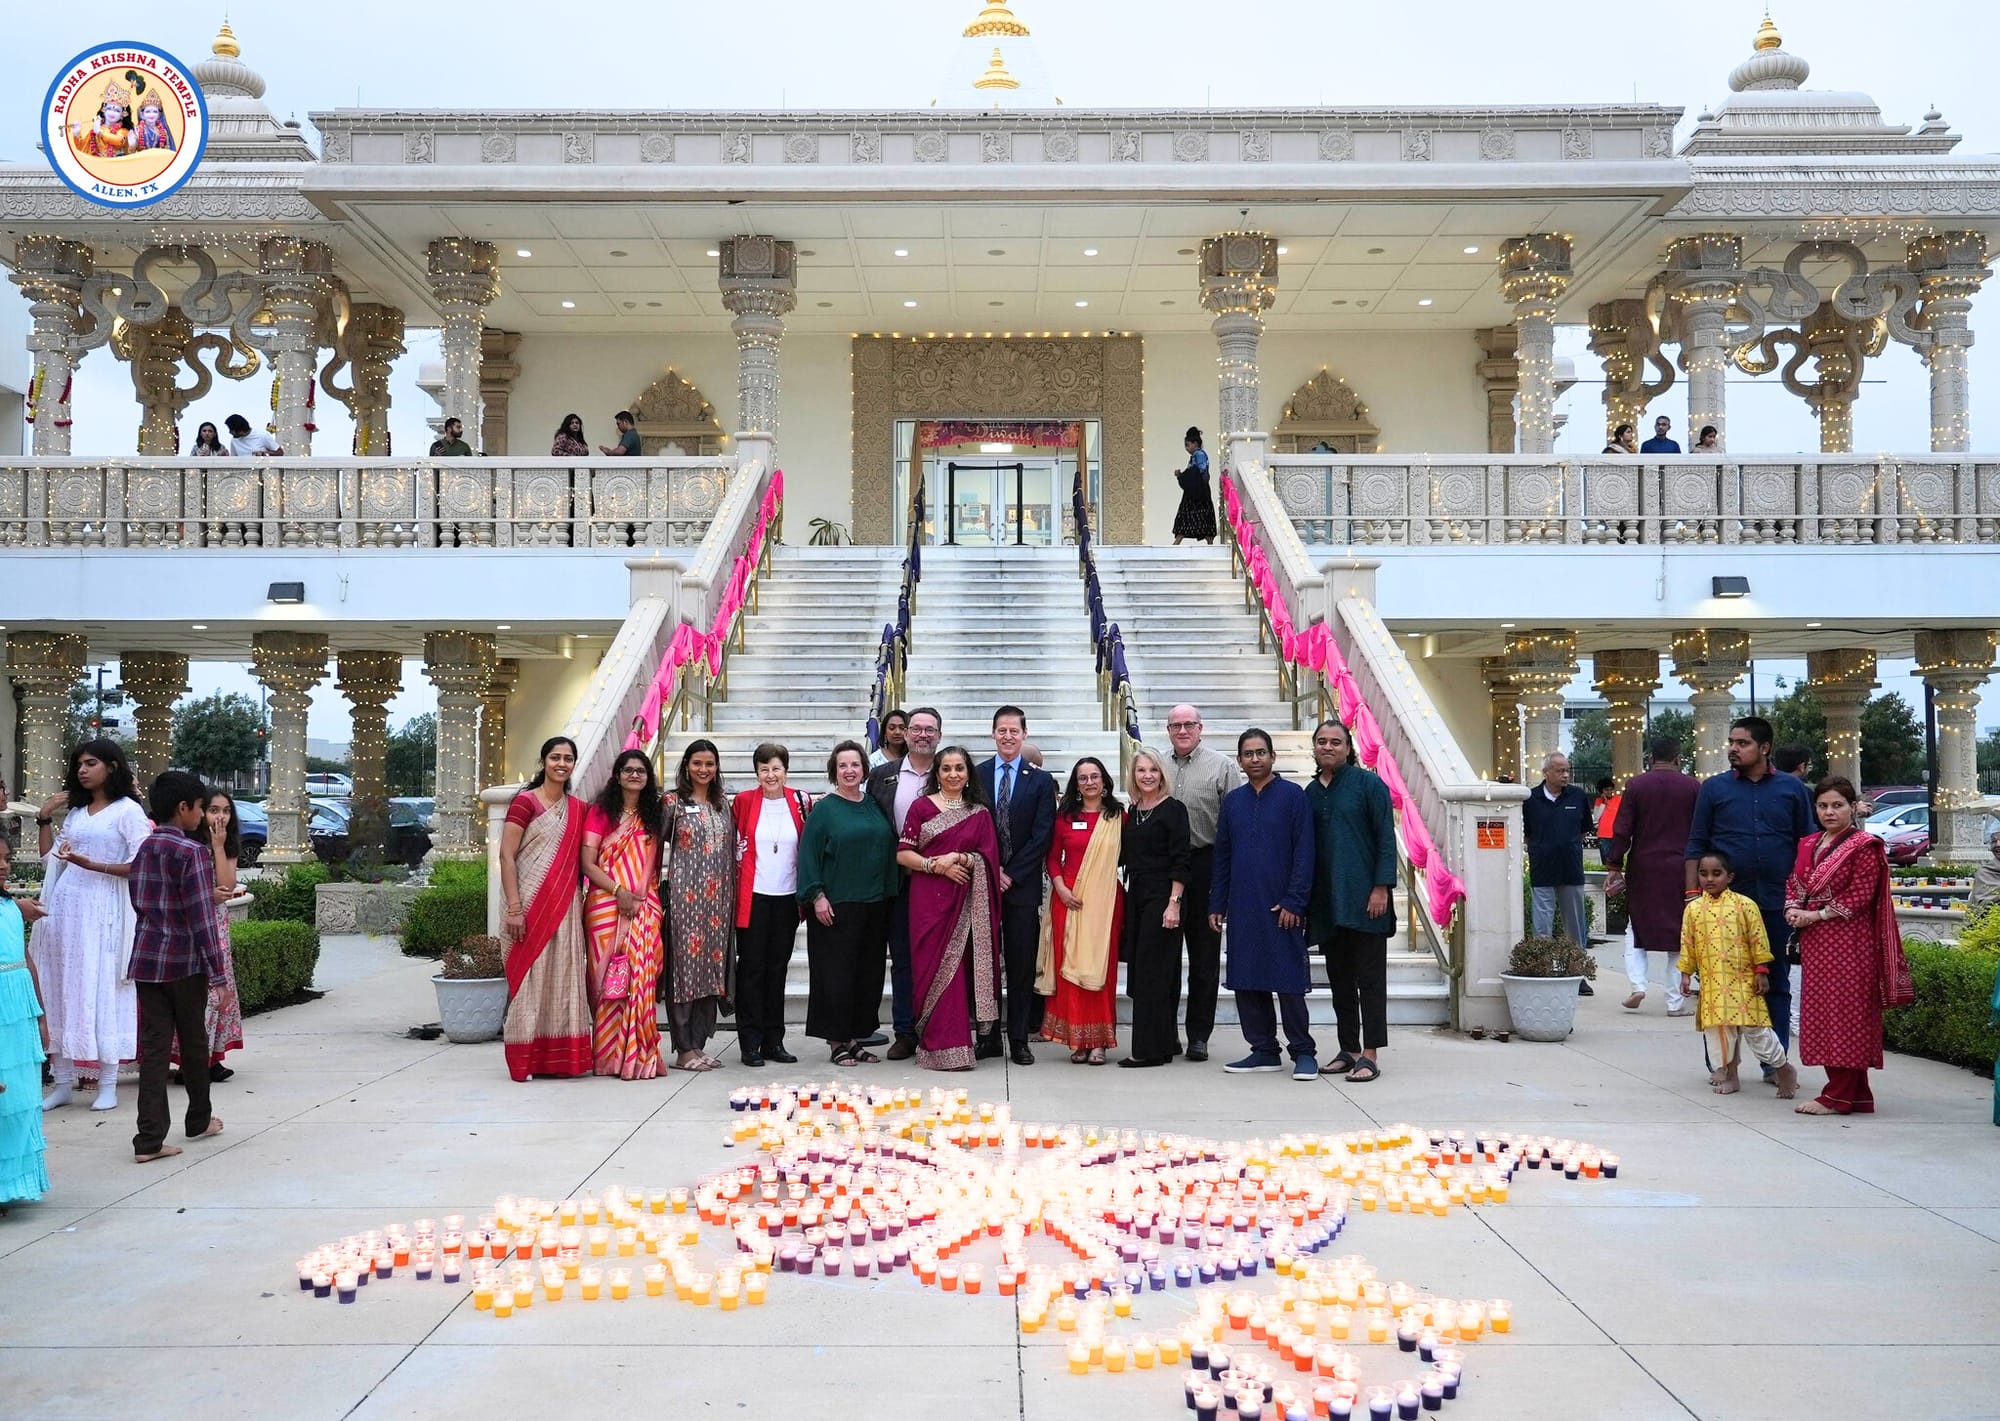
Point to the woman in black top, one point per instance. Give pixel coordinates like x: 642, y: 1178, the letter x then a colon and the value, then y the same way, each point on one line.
x: 1195, y: 518
x: 1155, y: 850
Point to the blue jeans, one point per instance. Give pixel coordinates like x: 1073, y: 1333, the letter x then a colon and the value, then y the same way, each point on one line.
x: 1259, y: 1019
x: 902, y: 987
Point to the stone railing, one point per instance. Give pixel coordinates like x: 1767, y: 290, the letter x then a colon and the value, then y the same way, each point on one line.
x: 359, y: 503
x: 1840, y: 499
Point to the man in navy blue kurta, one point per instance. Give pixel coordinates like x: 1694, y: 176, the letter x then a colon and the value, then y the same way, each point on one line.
x: 1262, y: 887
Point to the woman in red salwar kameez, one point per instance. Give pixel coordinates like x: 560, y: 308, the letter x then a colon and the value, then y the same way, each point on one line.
x: 1851, y: 954
x: 1084, y: 919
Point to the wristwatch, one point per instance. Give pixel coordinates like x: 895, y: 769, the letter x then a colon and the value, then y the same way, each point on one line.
x: 44, y: 820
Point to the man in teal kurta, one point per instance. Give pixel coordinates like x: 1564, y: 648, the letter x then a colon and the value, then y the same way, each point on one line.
x: 1352, y: 916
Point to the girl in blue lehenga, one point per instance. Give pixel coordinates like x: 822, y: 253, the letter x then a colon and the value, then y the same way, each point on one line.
x: 23, y: 1043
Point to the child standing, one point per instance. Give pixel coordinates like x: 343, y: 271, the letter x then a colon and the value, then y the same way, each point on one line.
x: 174, y: 954
x: 24, y: 1041
x: 1723, y: 942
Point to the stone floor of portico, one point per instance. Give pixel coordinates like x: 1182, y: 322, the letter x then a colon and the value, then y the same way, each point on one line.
x: 1749, y: 1263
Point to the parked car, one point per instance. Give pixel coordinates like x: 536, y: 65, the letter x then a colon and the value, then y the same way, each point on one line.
x: 1882, y: 796
x: 424, y: 806
x: 254, y: 827
x: 329, y: 786
x: 409, y: 841
x: 1904, y: 829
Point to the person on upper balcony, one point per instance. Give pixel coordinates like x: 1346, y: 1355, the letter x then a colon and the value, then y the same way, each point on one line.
x: 244, y: 441
x: 1621, y: 441
x: 1708, y: 441
x: 628, y: 437
x: 450, y: 443
x: 569, y: 442
x: 1660, y: 443
x: 1195, y: 518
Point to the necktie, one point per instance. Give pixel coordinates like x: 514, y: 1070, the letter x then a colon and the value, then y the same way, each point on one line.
x: 1001, y: 818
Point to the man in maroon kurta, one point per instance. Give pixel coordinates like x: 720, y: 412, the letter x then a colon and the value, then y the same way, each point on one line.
x: 1645, y: 854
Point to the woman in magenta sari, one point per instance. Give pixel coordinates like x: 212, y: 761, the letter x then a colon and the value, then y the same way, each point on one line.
x: 1850, y: 952
x: 951, y: 849
x: 548, y: 1026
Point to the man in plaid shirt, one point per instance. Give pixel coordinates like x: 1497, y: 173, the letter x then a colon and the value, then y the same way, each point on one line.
x: 175, y: 952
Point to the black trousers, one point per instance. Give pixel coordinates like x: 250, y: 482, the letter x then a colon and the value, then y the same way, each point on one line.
x: 1204, y: 946
x: 1020, y: 940
x: 1357, y: 969
x: 1152, y: 977
x: 763, y: 957
x: 169, y: 1011
x: 848, y: 960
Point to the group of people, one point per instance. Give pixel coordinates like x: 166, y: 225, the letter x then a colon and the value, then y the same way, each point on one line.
x: 998, y: 906
x: 1624, y: 441
x: 569, y: 442
x: 1774, y: 901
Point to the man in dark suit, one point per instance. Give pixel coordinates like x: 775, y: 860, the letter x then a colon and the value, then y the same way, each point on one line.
x: 893, y: 787
x: 1024, y: 815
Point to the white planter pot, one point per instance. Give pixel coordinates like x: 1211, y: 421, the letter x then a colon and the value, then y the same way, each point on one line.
x: 471, y: 1009
x: 1543, y: 1008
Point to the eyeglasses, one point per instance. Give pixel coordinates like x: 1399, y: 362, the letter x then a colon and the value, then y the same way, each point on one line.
x: 1183, y: 725
x: 633, y: 770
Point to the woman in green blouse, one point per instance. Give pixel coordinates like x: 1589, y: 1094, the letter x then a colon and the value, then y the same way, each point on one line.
x: 847, y: 879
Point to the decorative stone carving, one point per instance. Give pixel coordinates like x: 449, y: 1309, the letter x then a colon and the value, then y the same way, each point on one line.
x: 864, y: 146
x: 1838, y: 348
x: 1577, y: 144
x: 1710, y: 661
x: 419, y: 147
x: 996, y: 146
x: 1190, y: 146
x: 155, y: 354
x: 338, y: 148
x: 759, y: 278
x: 1496, y: 145
x: 1623, y: 337
x: 802, y: 148
x: 298, y: 283
x: 1059, y: 145
x: 736, y: 146
x: 289, y: 664
x: 1659, y: 143
x: 1253, y: 145
x: 43, y: 666
x: 932, y: 147
x: 496, y: 148
x: 369, y: 345
x: 1417, y: 145
x: 1705, y: 277
x: 464, y: 279
x: 1540, y: 663
x: 1841, y: 679
x: 1534, y: 273
x: 1336, y: 145
x: 1239, y: 282
x: 369, y: 679
x: 656, y: 148
x: 460, y: 665
x: 498, y: 369
x: 51, y: 272
x: 1127, y: 145
x: 672, y: 411
x: 1325, y: 410
x: 579, y: 148
x: 1626, y: 679
x: 1500, y: 376
x: 1055, y: 378
x: 1949, y: 266
x: 1955, y: 664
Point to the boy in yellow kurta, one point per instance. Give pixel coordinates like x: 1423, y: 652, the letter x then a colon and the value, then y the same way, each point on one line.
x: 1723, y: 942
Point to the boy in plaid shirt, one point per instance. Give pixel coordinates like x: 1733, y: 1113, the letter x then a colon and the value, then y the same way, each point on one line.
x: 174, y: 953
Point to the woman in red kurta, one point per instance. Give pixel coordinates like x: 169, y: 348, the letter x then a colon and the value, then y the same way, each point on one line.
x: 1077, y: 967
x: 1850, y: 952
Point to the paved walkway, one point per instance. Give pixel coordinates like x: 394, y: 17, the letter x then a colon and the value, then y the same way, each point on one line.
x: 1750, y: 1263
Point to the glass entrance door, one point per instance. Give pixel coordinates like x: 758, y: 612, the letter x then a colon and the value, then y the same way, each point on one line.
x: 993, y: 503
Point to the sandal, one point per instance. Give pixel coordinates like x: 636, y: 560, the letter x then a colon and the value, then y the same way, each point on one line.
x: 1340, y: 1065
x: 1365, y: 1069
x: 693, y: 1061
x: 1097, y: 1055
x: 1080, y: 1056
x: 845, y: 1054
x: 865, y: 1057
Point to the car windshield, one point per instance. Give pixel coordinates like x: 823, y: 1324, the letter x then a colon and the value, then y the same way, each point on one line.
x: 1899, y: 814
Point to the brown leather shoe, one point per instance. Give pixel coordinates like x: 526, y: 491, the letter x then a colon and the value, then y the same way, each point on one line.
x: 903, y: 1048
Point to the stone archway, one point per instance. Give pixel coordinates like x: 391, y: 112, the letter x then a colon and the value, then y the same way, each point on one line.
x: 673, y: 412
x: 1067, y: 378
x: 1325, y: 410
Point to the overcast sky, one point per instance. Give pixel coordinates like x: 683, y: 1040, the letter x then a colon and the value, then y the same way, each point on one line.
x: 1115, y: 53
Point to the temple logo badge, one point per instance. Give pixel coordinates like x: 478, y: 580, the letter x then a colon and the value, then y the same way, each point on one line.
x: 124, y: 124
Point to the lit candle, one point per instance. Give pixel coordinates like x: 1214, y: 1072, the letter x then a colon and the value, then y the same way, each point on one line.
x: 656, y: 1281
x: 621, y: 1283
x: 1433, y: 1392
x: 553, y: 1284
x: 1500, y: 1313
x: 1079, y: 1358
x: 503, y: 1303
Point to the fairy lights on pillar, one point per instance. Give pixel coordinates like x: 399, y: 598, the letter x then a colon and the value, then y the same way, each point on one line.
x: 297, y: 283
x: 1534, y: 273
x: 1541, y: 663
x: 289, y: 664
x: 1626, y: 679
x: 1705, y: 276
x: 460, y: 665
x: 464, y: 281
x: 758, y: 277
x: 1841, y: 679
x: 1950, y: 266
x: 1710, y: 661
x: 50, y: 272
x: 1239, y: 282
x: 1955, y: 664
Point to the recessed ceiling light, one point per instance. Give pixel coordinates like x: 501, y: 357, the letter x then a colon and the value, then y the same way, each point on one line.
x: 616, y: 253
x: 807, y: 252
x: 910, y: 305
x: 1472, y: 251
x: 996, y: 251
x: 1283, y: 250
x: 1506, y: 624
x: 631, y: 305
x: 1815, y: 624
x: 522, y: 252
x: 823, y: 305
x: 583, y: 636
x: 1424, y: 301
x: 1376, y: 251
x: 1414, y: 636
x: 1166, y: 303
x: 1361, y: 303
x: 201, y: 626
x: 902, y: 251
x: 1090, y: 251
x: 996, y: 303
x: 1185, y: 252
x: 569, y: 305
x: 715, y: 251
x: 503, y: 626
x: 1338, y: 301
x: 653, y: 304
x: 1081, y: 304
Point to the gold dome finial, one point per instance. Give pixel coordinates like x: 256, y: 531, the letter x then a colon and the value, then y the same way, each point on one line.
x: 225, y: 43
x: 996, y: 75
x: 996, y: 19
x: 1768, y: 36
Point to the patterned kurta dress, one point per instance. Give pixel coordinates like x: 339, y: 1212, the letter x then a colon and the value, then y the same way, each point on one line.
x: 699, y: 894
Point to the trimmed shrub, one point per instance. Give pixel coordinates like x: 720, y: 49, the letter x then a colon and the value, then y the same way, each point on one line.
x: 1550, y: 957
x: 459, y: 873
x: 289, y: 898
x: 444, y: 917
x: 274, y: 960
x: 1951, y: 1020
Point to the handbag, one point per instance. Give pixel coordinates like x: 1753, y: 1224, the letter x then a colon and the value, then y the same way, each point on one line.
x: 617, y: 979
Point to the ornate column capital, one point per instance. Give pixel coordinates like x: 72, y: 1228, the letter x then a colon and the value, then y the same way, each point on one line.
x: 368, y: 679
x: 1949, y: 267
x: 154, y: 680
x: 1535, y: 268
x: 1710, y: 661
x: 463, y: 269
x: 46, y: 660
x: 289, y: 664
x: 1626, y: 678
x: 464, y: 280
x: 49, y: 268
x: 460, y: 665
x: 1955, y: 663
x: 51, y: 272
x: 758, y: 277
x: 1703, y: 259
x: 1540, y: 663
x: 1957, y: 656
x: 1500, y: 374
x: 1623, y: 336
x: 1534, y: 273
x: 1841, y: 679
x: 43, y: 665
x: 369, y: 344
x: 1239, y: 274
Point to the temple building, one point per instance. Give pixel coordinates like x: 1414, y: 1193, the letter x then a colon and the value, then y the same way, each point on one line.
x: 969, y: 327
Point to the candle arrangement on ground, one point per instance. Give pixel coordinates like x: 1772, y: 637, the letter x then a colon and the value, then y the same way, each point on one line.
x: 865, y: 1181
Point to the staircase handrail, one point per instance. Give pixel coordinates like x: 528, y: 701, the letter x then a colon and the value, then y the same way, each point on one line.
x: 1280, y: 583
x: 1119, y: 699
x: 892, y: 648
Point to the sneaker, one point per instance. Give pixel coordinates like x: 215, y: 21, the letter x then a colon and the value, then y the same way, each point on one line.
x: 1305, y: 1068
x: 1254, y: 1064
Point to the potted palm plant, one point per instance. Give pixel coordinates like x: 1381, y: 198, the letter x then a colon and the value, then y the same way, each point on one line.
x: 472, y: 989
x: 1541, y: 981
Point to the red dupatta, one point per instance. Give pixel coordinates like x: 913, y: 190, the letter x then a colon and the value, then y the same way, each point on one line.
x: 1815, y: 882
x: 553, y: 895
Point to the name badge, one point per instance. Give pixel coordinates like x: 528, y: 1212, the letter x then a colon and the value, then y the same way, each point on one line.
x: 1079, y: 824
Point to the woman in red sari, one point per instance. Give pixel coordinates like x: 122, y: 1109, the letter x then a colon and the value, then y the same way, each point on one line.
x: 952, y: 851
x: 621, y: 913
x: 541, y: 850
x: 1850, y: 952
x: 1084, y: 919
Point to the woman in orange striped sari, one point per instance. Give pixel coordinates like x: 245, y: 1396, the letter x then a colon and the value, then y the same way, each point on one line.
x: 621, y: 858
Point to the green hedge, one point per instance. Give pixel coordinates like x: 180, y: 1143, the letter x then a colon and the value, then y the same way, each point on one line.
x: 288, y: 898
x: 274, y: 960
x: 452, y: 909
x: 1951, y: 1018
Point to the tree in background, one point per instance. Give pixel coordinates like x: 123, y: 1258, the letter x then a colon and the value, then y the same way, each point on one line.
x: 81, y: 718
x: 412, y: 760
x: 1677, y: 723
x: 221, y: 734
x: 1989, y: 762
x: 1892, y: 742
x: 320, y: 765
x: 1797, y: 718
x: 1590, y: 749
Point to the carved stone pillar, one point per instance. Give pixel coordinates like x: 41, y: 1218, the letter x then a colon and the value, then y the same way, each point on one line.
x: 369, y: 679
x: 1534, y: 273
x: 1955, y: 664
x: 460, y: 665
x: 1506, y: 702
x: 153, y: 680
x: 1239, y: 281
x: 498, y: 369
x: 50, y: 272
x: 289, y: 664
x: 1707, y: 276
x: 43, y: 665
x: 1950, y: 267
x: 1541, y: 663
x: 1841, y: 680
x: 1626, y: 679
x: 1500, y: 374
x: 372, y: 341
x: 464, y: 281
x: 493, y: 723
x: 296, y: 284
x: 1622, y: 336
x: 1710, y: 661
x: 155, y: 354
x: 759, y: 281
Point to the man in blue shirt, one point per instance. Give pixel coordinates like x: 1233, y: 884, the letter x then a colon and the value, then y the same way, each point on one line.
x: 1555, y: 820
x: 1756, y: 816
x: 1659, y: 443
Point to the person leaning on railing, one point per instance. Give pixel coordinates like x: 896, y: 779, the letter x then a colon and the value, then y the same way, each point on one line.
x: 450, y: 443
x: 245, y: 442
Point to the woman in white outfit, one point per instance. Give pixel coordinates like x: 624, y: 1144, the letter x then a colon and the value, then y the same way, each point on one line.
x: 83, y: 948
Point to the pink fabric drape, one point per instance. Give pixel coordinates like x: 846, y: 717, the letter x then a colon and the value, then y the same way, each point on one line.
x: 1316, y: 650
x: 691, y: 645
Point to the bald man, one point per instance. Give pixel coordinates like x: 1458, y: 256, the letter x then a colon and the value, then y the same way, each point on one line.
x: 1201, y: 777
